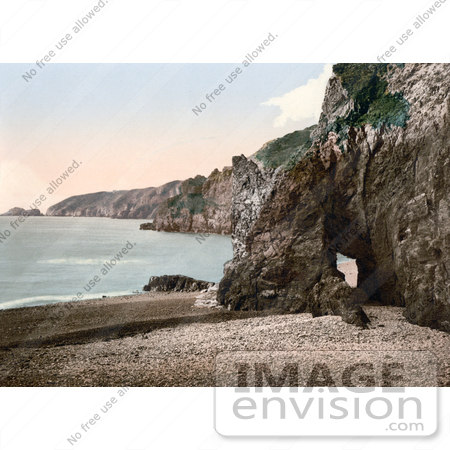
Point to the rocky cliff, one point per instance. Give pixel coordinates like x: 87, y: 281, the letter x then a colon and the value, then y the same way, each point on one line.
x: 202, y: 206
x: 22, y: 212
x: 373, y: 185
x: 134, y: 204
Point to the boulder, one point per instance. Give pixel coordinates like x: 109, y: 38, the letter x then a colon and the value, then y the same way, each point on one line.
x: 208, y: 298
x: 147, y: 226
x: 176, y: 283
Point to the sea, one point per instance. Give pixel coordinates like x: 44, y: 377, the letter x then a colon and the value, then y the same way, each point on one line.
x: 47, y: 260
x: 58, y: 259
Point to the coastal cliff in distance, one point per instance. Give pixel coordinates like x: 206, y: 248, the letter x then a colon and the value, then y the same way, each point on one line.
x: 202, y: 206
x: 22, y: 212
x: 133, y: 204
x: 373, y: 185
x: 196, y: 205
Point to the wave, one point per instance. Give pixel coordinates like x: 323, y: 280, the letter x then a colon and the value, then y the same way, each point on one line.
x: 34, y: 301
x: 87, y: 261
x: 52, y: 299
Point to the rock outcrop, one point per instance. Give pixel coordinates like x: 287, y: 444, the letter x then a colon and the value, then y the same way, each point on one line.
x: 22, y: 212
x: 202, y: 206
x: 147, y: 226
x: 134, y: 204
x: 208, y: 298
x: 373, y: 186
x: 176, y: 283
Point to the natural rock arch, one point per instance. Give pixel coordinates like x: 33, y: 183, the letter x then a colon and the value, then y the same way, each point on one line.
x: 386, y: 181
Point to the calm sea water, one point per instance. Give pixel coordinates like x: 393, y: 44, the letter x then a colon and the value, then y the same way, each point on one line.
x: 51, y: 259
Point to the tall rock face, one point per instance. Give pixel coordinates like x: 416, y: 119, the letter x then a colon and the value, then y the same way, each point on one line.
x: 254, y: 180
x: 252, y: 186
x: 202, y: 206
x: 373, y: 185
x: 134, y: 204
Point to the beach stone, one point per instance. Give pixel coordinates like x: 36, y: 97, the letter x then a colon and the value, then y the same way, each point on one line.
x: 208, y: 298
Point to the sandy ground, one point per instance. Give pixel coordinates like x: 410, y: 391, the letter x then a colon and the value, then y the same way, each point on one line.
x: 350, y: 271
x: 163, y: 340
x: 104, y: 319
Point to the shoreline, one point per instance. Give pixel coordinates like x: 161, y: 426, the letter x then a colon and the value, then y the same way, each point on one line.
x: 162, y: 339
x: 348, y: 268
x: 105, y: 318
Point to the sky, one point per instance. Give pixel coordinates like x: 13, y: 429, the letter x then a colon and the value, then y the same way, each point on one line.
x: 133, y: 126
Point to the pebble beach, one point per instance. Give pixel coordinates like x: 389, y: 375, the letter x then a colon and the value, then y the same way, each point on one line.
x: 162, y: 339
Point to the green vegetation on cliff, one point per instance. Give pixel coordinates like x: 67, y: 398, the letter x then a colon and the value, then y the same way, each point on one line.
x: 195, y: 203
x: 373, y: 104
x: 193, y: 197
x: 367, y: 85
x: 287, y: 150
x: 202, y: 205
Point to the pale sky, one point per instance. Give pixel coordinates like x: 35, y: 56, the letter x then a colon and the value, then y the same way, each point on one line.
x: 132, y: 125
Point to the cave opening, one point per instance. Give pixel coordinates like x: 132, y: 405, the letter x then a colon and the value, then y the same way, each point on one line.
x: 348, y: 267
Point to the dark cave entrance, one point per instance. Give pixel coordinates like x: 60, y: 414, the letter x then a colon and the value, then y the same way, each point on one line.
x: 347, y: 238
